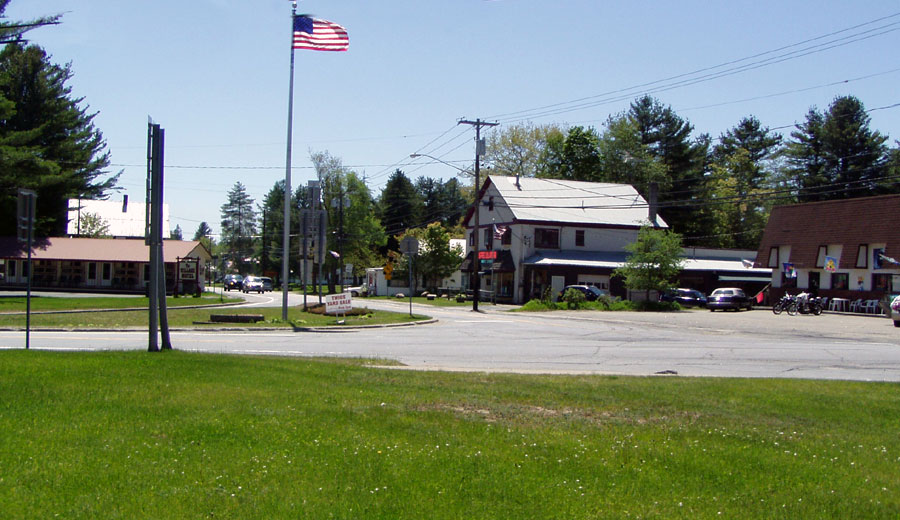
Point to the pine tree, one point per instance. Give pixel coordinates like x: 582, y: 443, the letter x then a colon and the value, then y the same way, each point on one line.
x: 48, y: 141
x: 238, y: 228
x: 400, y: 204
x: 836, y: 155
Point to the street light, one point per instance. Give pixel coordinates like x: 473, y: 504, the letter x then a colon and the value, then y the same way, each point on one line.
x: 417, y: 155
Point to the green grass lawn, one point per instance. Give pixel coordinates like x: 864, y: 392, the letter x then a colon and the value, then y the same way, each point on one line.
x: 54, y: 303
x: 199, y: 318
x: 179, y: 435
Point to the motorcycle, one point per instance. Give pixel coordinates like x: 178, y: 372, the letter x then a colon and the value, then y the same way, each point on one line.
x: 802, y: 303
x: 808, y: 304
x: 786, y: 303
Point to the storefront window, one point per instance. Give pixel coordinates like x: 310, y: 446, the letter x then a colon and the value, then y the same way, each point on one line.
x: 882, y: 282
x: 840, y: 281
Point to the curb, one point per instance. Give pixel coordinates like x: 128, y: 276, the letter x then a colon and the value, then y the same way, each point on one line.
x: 336, y: 328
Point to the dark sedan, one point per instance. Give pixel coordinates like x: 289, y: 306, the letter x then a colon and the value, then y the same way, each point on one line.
x: 729, y: 298
x: 590, y: 292
x: 684, y: 297
x: 233, y: 281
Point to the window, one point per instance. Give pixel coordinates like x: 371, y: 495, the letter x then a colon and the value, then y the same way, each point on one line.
x: 92, y: 271
x: 11, y: 270
x: 882, y: 282
x: 820, y: 258
x: 840, y: 281
x: 107, y: 271
x: 773, y: 258
x: 472, y: 238
x: 506, y: 239
x: 579, y: 238
x: 488, y: 236
x: 862, y: 256
x: 546, y: 238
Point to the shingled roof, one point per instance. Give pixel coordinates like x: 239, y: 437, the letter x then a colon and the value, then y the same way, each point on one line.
x: 848, y: 222
x: 99, y: 249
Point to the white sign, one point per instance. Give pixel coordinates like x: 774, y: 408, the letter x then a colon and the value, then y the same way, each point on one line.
x: 188, y: 269
x: 338, y: 303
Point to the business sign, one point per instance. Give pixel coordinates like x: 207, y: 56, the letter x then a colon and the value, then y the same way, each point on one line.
x: 487, y: 255
x: 187, y: 268
x: 338, y: 303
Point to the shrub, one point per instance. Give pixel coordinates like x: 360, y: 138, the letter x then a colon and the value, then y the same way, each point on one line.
x: 574, y: 299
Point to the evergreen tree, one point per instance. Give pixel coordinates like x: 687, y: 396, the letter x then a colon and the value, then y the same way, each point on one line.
x: 740, y: 171
x: 203, y: 231
x: 176, y: 233
x: 400, y: 204
x: 668, y: 138
x: 48, y: 142
x: 836, y: 155
x: 12, y: 31
x: 238, y: 228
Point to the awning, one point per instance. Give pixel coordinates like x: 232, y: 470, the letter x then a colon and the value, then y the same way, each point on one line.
x: 607, y: 259
x: 503, y: 264
x: 745, y: 278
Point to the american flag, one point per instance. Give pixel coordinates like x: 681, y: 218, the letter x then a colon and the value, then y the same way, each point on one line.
x: 319, y: 35
x: 499, y: 231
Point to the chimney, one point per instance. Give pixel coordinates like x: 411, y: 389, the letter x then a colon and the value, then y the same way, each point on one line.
x: 654, y: 192
x: 125, y: 204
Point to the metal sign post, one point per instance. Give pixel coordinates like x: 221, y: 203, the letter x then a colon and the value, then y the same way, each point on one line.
x: 409, y: 246
x: 25, y: 230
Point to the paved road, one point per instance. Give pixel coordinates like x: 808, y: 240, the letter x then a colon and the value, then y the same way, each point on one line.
x: 693, y: 343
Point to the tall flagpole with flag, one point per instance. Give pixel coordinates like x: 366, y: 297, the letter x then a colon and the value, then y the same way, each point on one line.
x: 317, y: 35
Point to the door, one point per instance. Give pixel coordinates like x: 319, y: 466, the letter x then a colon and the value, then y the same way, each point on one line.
x: 106, y: 274
x: 91, y: 278
x: 814, y: 283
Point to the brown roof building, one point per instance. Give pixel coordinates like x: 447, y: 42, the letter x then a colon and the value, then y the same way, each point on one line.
x: 68, y: 263
x: 839, y: 249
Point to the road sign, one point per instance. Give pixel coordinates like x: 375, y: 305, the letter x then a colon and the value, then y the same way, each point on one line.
x: 409, y: 246
x: 25, y: 214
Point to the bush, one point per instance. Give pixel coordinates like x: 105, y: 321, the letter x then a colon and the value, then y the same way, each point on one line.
x: 574, y: 299
x: 538, y: 306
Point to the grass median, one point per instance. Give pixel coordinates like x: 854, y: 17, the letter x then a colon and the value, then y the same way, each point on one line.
x: 181, y: 435
x: 178, y: 316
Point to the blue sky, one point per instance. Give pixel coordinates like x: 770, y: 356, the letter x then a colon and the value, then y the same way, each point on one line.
x: 215, y: 73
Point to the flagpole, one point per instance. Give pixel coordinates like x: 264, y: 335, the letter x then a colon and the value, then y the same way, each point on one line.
x: 286, y: 237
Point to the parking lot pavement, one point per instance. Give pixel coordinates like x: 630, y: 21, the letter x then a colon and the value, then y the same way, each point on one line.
x: 762, y: 322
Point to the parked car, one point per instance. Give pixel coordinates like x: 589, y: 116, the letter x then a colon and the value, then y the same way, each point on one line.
x: 268, y: 284
x: 354, y: 291
x: 729, y: 298
x: 684, y: 297
x: 590, y: 292
x: 233, y: 281
x: 253, y: 283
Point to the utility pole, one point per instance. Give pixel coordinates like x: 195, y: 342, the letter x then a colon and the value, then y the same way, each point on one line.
x: 476, y: 207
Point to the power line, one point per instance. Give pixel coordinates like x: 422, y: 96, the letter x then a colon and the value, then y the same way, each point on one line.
x: 691, y: 78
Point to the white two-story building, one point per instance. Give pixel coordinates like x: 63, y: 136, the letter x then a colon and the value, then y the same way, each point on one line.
x: 549, y: 233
